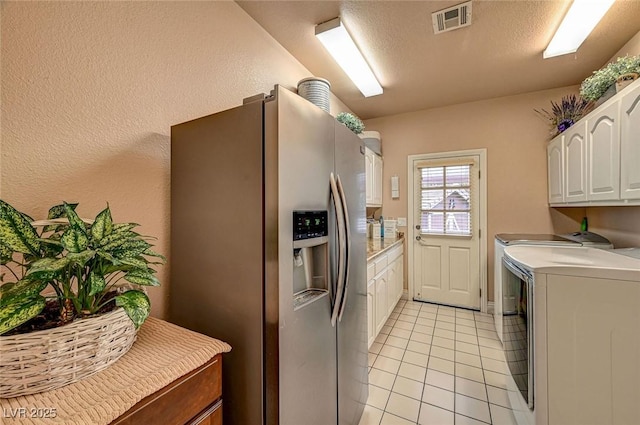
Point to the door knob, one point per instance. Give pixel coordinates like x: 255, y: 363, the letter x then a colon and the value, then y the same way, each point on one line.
x: 418, y: 238
x: 417, y: 227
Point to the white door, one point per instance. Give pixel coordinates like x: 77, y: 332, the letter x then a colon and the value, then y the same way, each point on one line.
x: 446, y: 247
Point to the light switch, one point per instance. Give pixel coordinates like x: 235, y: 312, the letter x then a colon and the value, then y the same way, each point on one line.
x: 395, y: 192
x: 402, y: 221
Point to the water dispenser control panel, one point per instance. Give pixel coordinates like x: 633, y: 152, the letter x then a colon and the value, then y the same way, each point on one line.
x: 309, y: 224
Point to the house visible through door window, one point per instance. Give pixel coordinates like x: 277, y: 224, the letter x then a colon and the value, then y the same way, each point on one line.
x: 445, y: 204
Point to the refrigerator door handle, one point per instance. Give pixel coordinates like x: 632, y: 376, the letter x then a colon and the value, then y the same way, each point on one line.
x: 345, y: 211
x: 339, y: 286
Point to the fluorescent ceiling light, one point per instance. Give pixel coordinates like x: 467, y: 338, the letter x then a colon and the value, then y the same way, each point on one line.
x: 580, y: 20
x: 337, y: 41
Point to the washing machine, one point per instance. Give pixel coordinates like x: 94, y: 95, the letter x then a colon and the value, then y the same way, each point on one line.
x: 504, y: 301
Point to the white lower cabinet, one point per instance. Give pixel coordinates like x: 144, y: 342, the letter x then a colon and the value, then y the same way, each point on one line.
x: 384, y: 289
x: 381, y: 314
x: 371, y: 320
x: 398, y: 265
x: 593, y: 357
x: 371, y: 303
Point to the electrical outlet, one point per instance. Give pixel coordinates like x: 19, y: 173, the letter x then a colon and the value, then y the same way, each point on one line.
x: 402, y: 222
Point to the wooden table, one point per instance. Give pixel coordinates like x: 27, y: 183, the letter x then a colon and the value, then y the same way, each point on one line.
x: 171, y: 376
x: 195, y: 398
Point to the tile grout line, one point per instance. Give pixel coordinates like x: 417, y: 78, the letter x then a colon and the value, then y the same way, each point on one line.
x: 455, y: 345
x: 428, y: 353
x: 484, y: 378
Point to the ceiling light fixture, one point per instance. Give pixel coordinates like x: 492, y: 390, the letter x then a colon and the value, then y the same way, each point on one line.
x: 580, y: 20
x: 335, y: 38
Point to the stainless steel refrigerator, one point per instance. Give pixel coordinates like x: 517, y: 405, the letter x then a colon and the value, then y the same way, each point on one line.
x: 268, y: 253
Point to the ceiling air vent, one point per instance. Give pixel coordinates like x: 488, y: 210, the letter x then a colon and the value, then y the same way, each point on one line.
x: 452, y: 18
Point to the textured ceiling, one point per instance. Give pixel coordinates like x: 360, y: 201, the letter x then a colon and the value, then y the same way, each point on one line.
x: 500, y: 54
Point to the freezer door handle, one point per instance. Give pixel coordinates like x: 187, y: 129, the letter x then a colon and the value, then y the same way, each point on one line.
x: 339, y: 285
x: 345, y: 212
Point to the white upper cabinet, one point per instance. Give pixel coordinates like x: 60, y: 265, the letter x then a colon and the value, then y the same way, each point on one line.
x: 596, y: 162
x: 630, y: 143
x: 603, y: 154
x: 368, y: 168
x: 373, y: 170
x: 575, y: 153
x: 555, y: 163
x: 377, y: 180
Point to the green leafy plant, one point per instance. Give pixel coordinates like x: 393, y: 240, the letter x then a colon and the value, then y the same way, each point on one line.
x: 566, y: 113
x: 84, y: 264
x: 596, y: 85
x: 352, y: 122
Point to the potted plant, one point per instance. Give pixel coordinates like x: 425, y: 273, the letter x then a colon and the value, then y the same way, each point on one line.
x: 61, y: 275
x: 594, y: 87
x: 566, y: 113
x: 352, y: 122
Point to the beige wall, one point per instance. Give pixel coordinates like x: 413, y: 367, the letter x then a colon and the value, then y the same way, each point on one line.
x: 631, y: 48
x: 515, y: 139
x: 90, y: 90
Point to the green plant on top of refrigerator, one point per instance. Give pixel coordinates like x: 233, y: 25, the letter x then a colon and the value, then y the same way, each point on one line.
x: 352, y: 122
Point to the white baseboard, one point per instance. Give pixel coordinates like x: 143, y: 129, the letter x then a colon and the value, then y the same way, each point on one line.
x: 490, y: 307
x: 405, y: 295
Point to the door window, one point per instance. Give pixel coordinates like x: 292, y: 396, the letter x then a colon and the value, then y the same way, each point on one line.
x: 445, y: 200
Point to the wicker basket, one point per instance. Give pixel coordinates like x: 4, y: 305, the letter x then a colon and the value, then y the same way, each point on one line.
x: 44, y: 360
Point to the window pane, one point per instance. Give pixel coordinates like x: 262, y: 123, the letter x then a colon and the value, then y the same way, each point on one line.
x: 432, y: 177
x: 432, y: 222
x: 457, y: 199
x: 458, y: 223
x: 445, y: 204
x: 432, y: 199
x: 458, y: 175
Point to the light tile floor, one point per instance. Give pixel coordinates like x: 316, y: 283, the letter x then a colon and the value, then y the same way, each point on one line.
x: 437, y: 365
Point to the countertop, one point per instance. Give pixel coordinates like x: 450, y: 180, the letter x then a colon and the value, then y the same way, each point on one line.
x: 162, y: 353
x: 376, y: 247
x: 576, y: 261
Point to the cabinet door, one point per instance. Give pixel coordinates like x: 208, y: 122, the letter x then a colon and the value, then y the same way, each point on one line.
x: 399, y: 277
x: 603, y: 153
x: 368, y: 168
x: 371, y: 311
x: 593, y: 347
x: 377, y: 179
x: 630, y: 144
x: 575, y: 155
x: 392, y: 277
x: 381, y: 301
x: 555, y: 170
